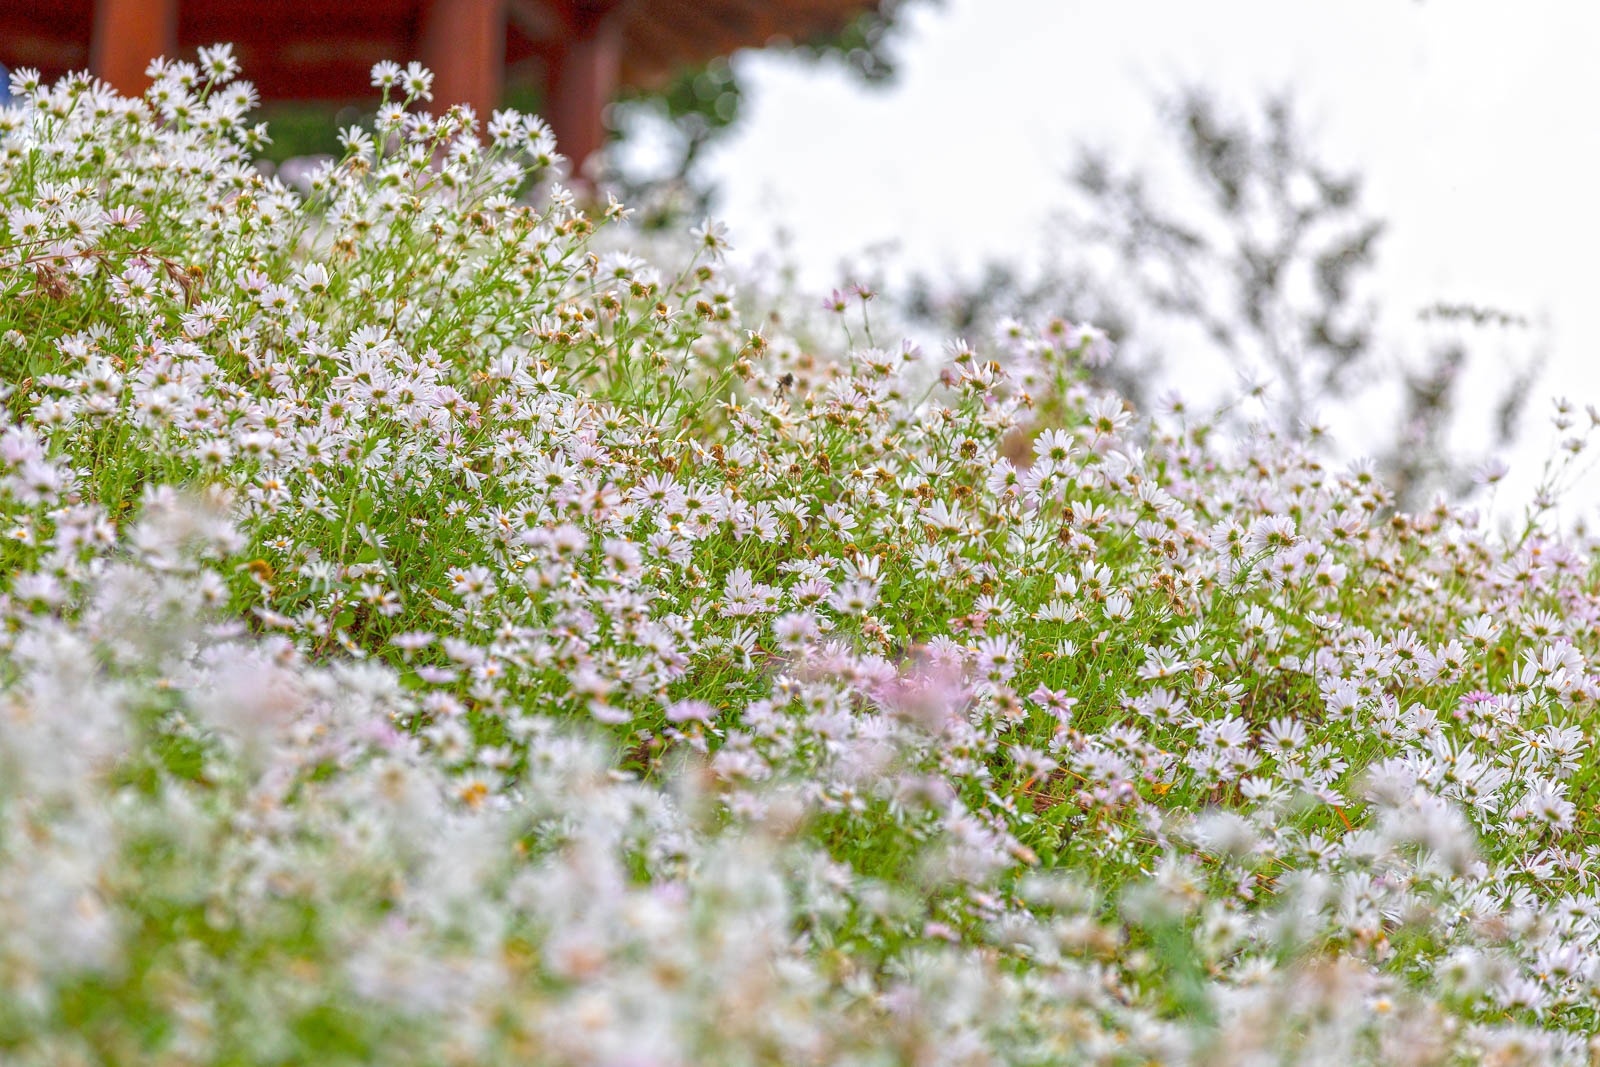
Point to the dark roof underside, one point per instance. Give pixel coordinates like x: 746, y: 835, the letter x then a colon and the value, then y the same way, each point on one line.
x: 324, y: 49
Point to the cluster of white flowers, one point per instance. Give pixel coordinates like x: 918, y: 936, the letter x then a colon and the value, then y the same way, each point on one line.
x: 430, y: 634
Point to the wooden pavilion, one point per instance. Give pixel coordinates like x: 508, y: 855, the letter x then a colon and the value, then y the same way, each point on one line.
x: 581, y: 51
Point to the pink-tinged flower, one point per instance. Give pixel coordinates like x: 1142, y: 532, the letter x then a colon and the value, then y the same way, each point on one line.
x: 690, y: 710
x: 1056, y: 702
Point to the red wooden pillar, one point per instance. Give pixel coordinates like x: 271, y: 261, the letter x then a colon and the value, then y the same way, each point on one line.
x: 464, y: 43
x: 583, y: 79
x: 127, y: 35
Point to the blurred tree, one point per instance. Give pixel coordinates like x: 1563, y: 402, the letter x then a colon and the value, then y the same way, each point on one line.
x: 1267, y: 266
x: 688, y: 114
x: 1262, y: 261
x: 700, y: 106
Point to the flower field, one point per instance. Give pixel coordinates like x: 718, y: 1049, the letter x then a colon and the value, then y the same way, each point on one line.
x: 434, y: 635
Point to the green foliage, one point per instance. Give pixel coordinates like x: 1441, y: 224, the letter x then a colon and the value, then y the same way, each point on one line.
x: 430, y: 633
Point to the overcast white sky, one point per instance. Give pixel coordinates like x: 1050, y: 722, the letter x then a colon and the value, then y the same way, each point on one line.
x: 1473, y: 122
